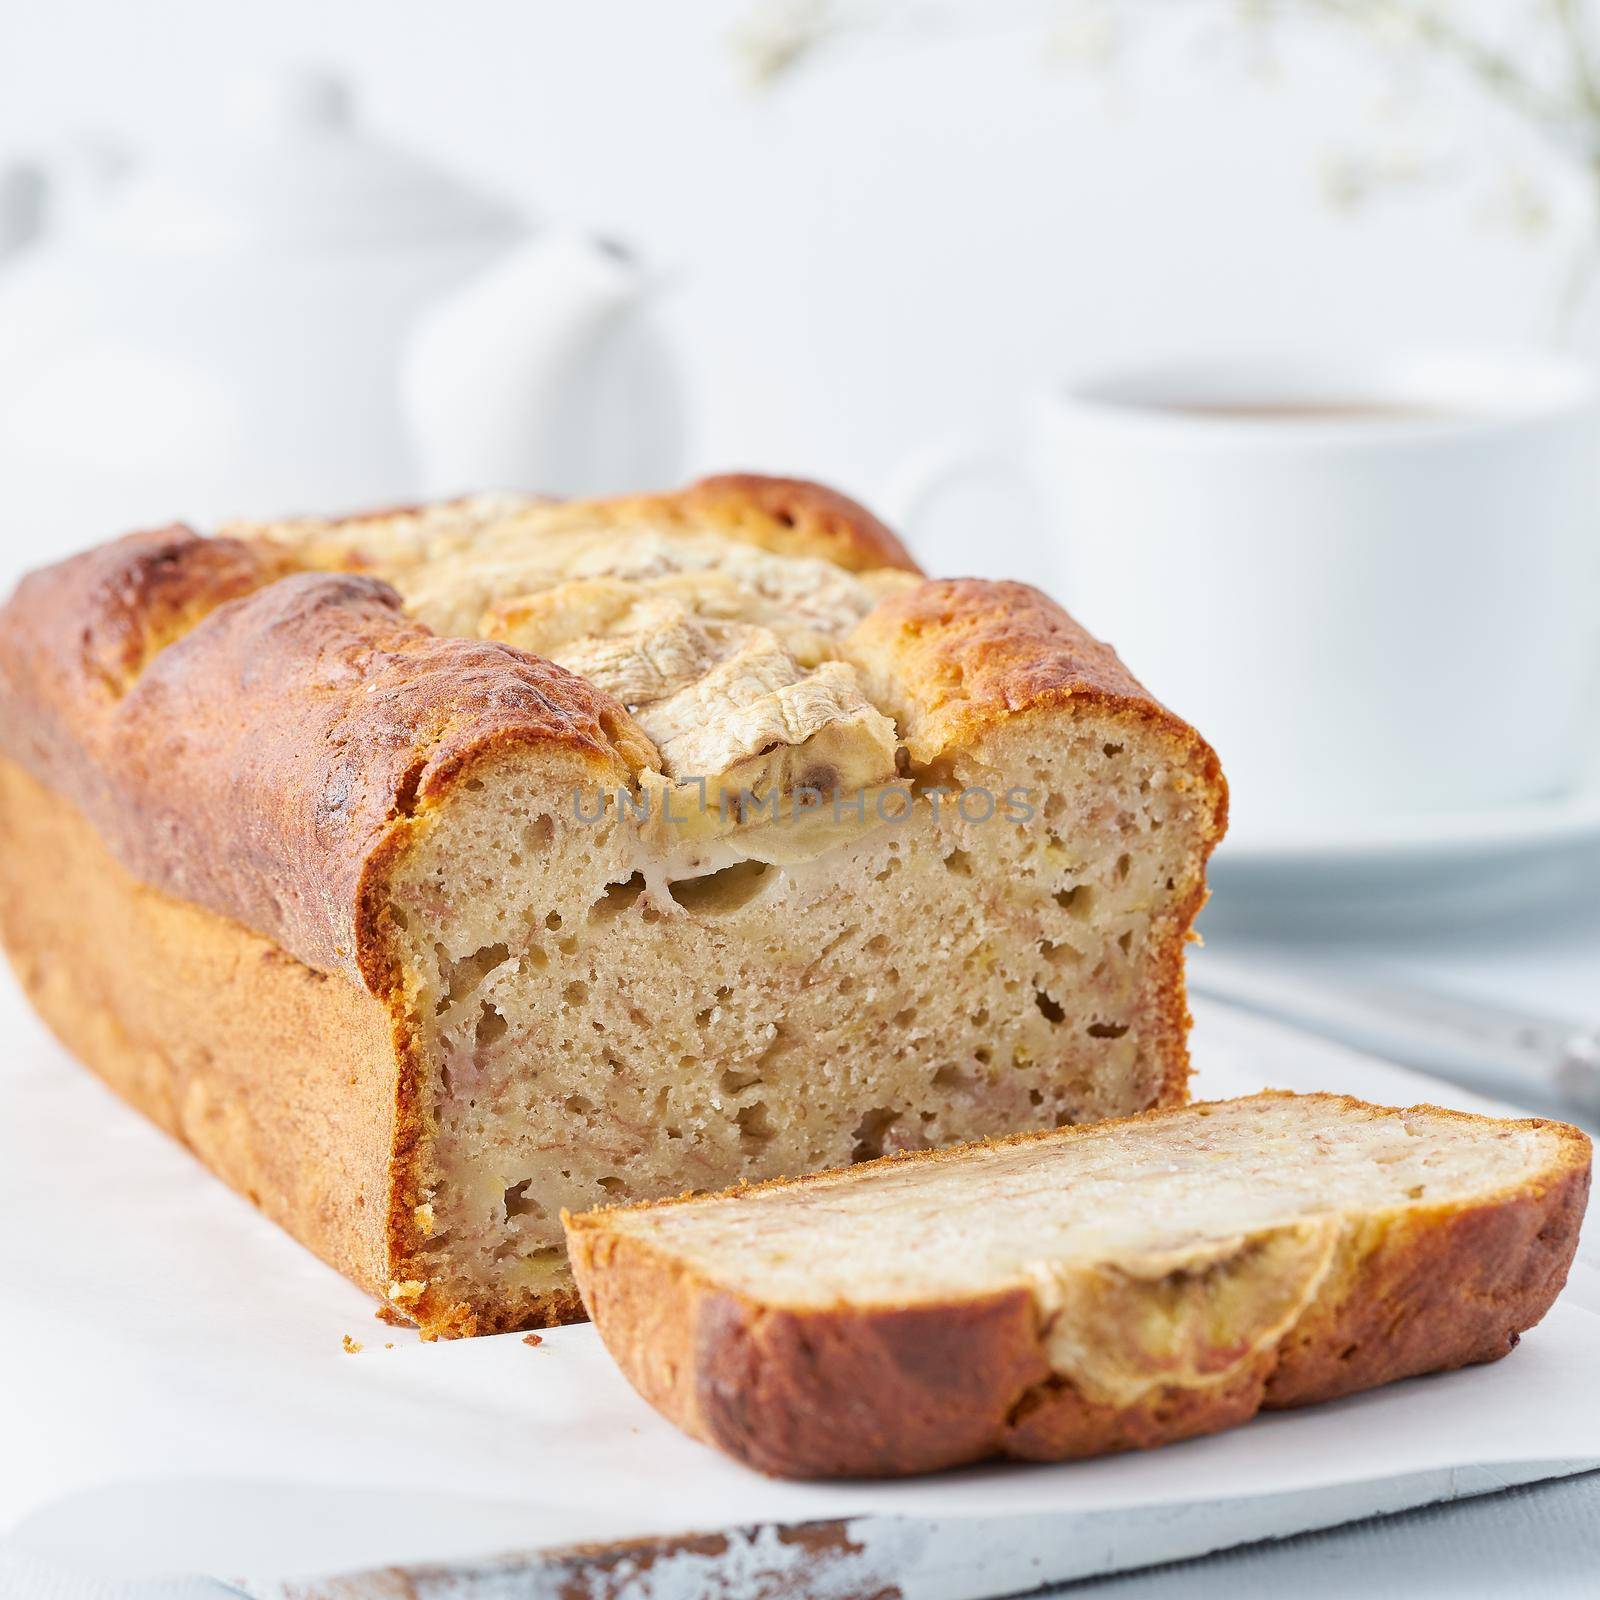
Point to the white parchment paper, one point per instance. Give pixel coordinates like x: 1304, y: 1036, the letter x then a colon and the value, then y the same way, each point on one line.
x: 177, y: 1397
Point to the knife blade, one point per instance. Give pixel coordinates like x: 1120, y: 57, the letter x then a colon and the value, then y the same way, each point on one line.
x: 1495, y: 1049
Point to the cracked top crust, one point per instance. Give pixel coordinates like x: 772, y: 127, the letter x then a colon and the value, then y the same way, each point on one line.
x: 257, y: 721
x: 264, y: 763
x: 950, y: 657
x: 786, y: 516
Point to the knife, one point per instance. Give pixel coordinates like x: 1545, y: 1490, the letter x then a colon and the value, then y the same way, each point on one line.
x: 1496, y: 1050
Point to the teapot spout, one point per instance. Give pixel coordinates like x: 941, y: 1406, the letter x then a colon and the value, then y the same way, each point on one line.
x: 545, y: 373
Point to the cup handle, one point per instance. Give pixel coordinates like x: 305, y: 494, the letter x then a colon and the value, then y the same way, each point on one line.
x: 925, y: 476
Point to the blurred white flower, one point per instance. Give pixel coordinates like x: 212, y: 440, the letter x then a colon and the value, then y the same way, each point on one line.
x: 777, y: 36
x: 1534, y: 66
x: 1394, y: 26
x: 1516, y: 203
x: 1349, y: 178
x: 1089, y: 35
x: 1342, y: 178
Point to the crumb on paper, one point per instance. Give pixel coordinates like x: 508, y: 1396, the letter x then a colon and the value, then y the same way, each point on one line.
x: 533, y: 1338
x: 388, y: 1344
x: 351, y: 1346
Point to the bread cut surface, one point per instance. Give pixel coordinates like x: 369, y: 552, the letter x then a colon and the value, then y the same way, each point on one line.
x: 1087, y: 1290
x: 671, y: 841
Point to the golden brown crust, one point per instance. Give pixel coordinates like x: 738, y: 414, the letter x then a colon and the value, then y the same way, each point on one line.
x: 794, y: 517
x: 789, y: 516
x: 895, y: 1389
x: 267, y: 763
x: 74, y: 636
x: 953, y: 657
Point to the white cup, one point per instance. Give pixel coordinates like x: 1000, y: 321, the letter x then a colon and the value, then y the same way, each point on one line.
x: 1374, y: 585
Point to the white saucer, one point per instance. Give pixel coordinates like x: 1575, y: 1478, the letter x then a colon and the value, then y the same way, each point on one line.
x: 1531, y: 826
x: 1420, y: 866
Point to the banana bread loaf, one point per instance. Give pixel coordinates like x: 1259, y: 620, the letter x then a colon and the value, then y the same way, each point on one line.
x: 431, y: 871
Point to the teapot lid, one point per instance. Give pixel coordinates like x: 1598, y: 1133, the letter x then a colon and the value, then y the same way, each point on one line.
x: 291, y: 168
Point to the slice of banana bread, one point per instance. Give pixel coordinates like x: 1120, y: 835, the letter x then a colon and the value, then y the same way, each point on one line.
x: 1095, y: 1289
x: 432, y: 871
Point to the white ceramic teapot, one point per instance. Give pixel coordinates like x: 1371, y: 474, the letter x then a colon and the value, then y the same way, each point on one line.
x: 303, y: 318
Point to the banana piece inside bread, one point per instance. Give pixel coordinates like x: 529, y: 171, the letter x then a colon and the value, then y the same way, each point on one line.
x: 681, y: 840
x: 1089, y: 1290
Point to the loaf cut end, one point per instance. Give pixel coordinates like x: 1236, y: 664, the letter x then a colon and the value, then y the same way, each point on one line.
x: 612, y: 1020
